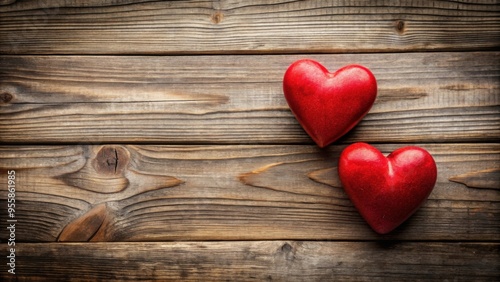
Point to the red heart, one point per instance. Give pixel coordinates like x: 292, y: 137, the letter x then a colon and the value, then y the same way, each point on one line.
x: 328, y: 105
x: 386, y: 190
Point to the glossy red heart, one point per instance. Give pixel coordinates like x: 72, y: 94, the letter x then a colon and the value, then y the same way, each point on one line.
x: 386, y: 190
x: 328, y: 105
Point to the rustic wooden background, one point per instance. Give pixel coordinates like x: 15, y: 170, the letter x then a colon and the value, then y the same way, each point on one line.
x: 151, y: 139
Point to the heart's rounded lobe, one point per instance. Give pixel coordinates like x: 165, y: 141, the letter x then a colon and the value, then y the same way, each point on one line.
x: 328, y: 105
x: 386, y: 190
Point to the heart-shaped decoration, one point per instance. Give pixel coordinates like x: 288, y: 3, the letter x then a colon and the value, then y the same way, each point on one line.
x: 328, y: 105
x: 386, y: 190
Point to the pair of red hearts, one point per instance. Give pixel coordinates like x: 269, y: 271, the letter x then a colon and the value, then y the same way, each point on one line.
x: 385, y: 190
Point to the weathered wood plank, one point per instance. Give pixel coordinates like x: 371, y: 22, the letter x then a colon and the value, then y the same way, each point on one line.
x: 423, y: 97
x: 154, y: 193
x: 257, y: 261
x: 228, y: 26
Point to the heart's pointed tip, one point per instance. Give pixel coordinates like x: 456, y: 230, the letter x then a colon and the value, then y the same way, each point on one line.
x: 322, y: 144
x: 383, y: 232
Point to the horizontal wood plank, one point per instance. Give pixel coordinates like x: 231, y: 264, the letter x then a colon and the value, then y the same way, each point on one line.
x: 422, y: 97
x: 254, y: 192
x: 228, y: 26
x: 256, y: 261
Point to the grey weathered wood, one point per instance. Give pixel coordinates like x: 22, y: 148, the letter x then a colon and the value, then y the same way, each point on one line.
x: 173, y: 27
x: 423, y: 97
x: 257, y: 261
x: 254, y: 192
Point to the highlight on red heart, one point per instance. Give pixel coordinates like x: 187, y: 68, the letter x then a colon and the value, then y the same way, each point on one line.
x: 386, y: 190
x: 328, y: 105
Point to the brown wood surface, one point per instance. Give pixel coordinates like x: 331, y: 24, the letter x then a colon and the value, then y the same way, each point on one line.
x: 151, y: 140
x: 261, y: 261
x: 422, y: 97
x: 154, y: 193
x: 223, y: 26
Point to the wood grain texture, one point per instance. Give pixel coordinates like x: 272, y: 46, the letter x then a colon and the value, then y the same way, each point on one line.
x: 423, y: 97
x: 253, y: 192
x: 151, y: 139
x: 228, y: 26
x: 258, y: 261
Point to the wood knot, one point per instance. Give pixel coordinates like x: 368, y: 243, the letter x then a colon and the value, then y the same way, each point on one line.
x: 85, y: 227
x: 111, y: 160
x: 217, y: 17
x: 287, y: 252
x: 400, y: 26
x: 286, y: 248
x: 6, y: 97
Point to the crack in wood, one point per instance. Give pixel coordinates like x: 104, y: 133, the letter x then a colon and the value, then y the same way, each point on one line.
x: 327, y: 176
x: 247, y: 177
x: 483, y: 179
x: 108, y: 159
